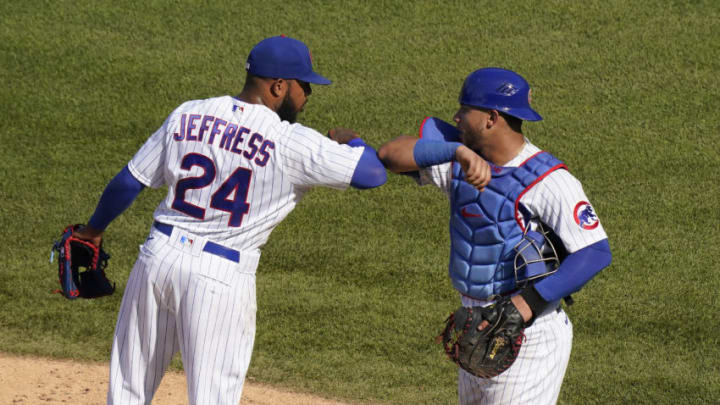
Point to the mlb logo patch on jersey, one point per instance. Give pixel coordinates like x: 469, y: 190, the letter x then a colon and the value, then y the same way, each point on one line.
x: 187, y: 242
x: 585, y: 216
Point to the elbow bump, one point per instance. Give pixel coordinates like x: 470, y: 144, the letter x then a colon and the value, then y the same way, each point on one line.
x: 377, y: 178
x: 371, y: 179
x: 383, y: 153
x: 381, y: 177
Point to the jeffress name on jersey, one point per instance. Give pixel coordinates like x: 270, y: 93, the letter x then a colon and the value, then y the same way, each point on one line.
x: 218, y: 132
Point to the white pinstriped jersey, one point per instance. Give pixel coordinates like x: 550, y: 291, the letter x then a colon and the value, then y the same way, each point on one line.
x: 558, y: 201
x: 235, y: 170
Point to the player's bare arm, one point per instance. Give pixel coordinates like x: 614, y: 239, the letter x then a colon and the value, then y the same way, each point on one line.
x: 477, y: 170
x: 408, y: 153
x: 397, y: 154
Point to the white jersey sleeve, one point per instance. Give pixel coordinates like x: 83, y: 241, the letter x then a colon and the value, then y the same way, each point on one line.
x: 559, y: 201
x: 147, y: 166
x: 311, y: 159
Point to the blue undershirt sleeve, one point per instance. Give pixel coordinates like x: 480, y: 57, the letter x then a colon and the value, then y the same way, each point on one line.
x: 117, y: 197
x: 575, y: 271
x: 369, y: 172
x: 430, y: 153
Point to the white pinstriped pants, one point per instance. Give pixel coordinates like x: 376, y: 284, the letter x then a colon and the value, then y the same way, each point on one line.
x: 537, y: 374
x: 180, y: 298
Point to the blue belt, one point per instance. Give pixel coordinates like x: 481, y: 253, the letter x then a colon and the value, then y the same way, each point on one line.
x: 210, y: 247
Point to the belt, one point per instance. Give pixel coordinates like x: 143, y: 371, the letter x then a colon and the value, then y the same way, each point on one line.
x: 494, y: 298
x: 210, y: 247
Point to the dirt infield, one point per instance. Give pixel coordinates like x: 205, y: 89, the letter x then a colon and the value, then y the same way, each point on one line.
x: 28, y: 381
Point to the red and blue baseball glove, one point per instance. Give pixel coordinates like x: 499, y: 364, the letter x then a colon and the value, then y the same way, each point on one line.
x: 81, y: 267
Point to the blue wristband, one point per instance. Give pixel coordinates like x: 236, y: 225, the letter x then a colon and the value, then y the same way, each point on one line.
x: 429, y: 153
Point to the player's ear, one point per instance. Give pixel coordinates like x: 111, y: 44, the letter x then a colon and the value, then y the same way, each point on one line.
x: 493, y: 118
x: 279, y: 87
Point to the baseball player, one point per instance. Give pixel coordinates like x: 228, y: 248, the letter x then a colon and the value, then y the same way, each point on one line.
x: 235, y: 167
x: 527, y: 189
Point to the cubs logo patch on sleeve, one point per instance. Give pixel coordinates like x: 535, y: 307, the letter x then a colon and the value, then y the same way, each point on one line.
x: 585, y: 216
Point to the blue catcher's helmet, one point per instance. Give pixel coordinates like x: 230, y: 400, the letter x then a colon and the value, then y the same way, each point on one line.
x: 499, y: 89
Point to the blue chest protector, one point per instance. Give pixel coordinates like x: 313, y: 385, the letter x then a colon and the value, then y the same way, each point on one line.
x: 486, y: 226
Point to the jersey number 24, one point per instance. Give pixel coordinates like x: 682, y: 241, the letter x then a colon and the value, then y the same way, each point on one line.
x: 238, y: 181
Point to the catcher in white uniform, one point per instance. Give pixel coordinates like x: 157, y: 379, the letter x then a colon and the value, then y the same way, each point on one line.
x: 522, y: 196
x: 235, y: 167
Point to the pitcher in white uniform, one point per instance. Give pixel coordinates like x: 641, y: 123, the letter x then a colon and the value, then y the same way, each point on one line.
x: 527, y: 189
x: 234, y: 167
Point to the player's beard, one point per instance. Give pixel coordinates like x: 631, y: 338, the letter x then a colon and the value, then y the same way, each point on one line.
x: 287, y: 110
x: 466, y: 139
x: 471, y: 139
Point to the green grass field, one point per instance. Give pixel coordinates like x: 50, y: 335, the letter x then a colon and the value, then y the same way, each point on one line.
x: 352, y: 287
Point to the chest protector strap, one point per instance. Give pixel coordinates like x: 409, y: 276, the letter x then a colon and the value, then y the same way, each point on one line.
x: 486, y: 226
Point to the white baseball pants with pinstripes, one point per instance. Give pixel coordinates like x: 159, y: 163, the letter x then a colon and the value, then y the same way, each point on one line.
x: 181, y: 298
x: 537, y: 374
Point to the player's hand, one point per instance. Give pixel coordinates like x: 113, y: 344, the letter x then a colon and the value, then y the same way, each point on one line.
x: 90, y: 234
x: 520, y: 305
x: 477, y: 170
x: 342, y: 135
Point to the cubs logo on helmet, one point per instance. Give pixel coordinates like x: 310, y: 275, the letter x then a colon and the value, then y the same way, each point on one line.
x: 585, y: 216
x: 499, y: 89
x: 507, y: 89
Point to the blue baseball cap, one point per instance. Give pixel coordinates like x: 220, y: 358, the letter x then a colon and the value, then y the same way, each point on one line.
x: 499, y: 89
x: 284, y: 58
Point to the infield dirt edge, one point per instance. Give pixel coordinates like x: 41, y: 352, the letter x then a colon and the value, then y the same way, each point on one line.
x: 31, y: 380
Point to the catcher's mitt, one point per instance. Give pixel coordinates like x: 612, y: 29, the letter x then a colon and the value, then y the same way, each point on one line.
x: 74, y: 254
x: 488, y: 352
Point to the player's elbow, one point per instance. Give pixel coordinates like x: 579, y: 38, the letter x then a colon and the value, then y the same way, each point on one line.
x: 384, y: 154
x: 388, y: 155
x: 371, y: 177
x: 397, y: 155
